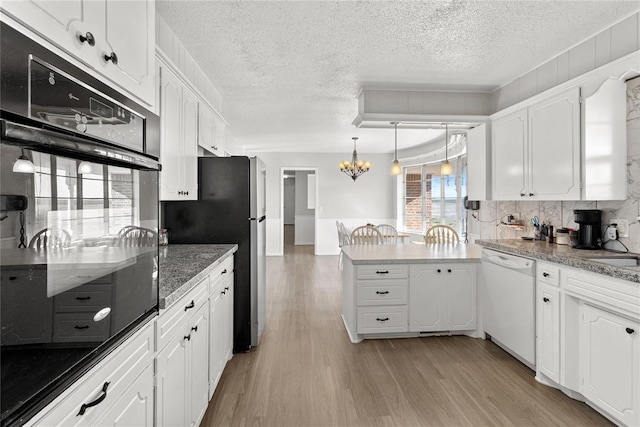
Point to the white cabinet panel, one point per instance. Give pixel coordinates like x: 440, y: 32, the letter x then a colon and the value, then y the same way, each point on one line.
x: 478, y: 163
x: 610, y: 363
x: 172, y: 383
x: 508, y: 145
x: 384, y: 319
x: 548, y: 351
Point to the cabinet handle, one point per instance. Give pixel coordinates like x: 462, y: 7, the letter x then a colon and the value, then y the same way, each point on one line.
x: 545, y: 274
x: 83, y: 298
x: 81, y: 327
x: 88, y: 37
x: 382, y: 320
x: 630, y: 331
x: 449, y: 270
x: 545, y: 299
x: 194, y: 328
x: 522, y: 194
x: 223, y: 292
x: 224, y: 271
x: 13, y: 278
x: 382, y: 272
x: 113, y: 58
x: 530, y: 194
x: 187, y: 337
x: 191, y: 305
x: 214, y: 147
x: 382, y: 292
x: 98, y: 401
x: 439, y: 271
x: 226, y: 288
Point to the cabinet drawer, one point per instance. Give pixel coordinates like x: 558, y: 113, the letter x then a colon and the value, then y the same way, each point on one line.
x: 171, y: 320
x: 79, y: 327
x: 376, y: 320
x: 221, y: 275
x: 119, y: 369
x: 84, y: 298
x: 382, y: 292
x: 388, y: 271
x: 548, y: 273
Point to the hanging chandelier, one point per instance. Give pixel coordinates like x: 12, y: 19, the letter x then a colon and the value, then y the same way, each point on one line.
x: 396, y: 169
x: 355, y: 167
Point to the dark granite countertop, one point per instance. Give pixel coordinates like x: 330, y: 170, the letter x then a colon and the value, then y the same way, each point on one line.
x: 566, y: 255
x: 183, y: 266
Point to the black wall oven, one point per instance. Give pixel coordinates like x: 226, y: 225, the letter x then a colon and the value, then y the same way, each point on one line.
x: 78, y: 223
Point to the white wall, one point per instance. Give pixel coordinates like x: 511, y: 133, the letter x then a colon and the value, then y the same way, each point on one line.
x: 304, y: 218
x: 369, y: 199
x: 289, y: 207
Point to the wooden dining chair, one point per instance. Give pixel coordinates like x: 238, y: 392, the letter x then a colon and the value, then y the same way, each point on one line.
x: 366, y: 235
x: 389, y: 234
x: 50, y: 238
x: 441, y: 234
x: 135, y: 236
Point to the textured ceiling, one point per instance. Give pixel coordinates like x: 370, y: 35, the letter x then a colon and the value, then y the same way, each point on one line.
x: 289, y: 72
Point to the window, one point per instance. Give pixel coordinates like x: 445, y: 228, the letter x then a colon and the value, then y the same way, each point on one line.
x: 428, y: 199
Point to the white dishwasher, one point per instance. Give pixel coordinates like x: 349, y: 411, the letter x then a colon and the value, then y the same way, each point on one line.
x: 508, y: 303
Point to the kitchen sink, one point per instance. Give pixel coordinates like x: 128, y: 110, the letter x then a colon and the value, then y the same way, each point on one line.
x: 620, y: 261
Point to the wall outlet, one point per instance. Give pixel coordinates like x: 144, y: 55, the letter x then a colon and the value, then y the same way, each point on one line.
x: 622, y: 226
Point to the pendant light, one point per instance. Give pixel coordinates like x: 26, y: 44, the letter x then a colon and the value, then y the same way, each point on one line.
x: 355, y: 167
x: 23, y: 164
x: 446, y: 168
x: 396, y: 169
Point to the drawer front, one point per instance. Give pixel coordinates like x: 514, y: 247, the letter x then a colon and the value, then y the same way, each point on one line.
x: 171, y: 320
x: 119, y: 369
x: 388, y: 271
x: 548, y: 273
x: 221, y: 275
x: 84, y: 298
x: 79, y: 327
x: 379, y: 320
x: 382, y: 292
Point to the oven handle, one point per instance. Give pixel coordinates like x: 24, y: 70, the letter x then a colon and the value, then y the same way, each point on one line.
x: 37, y: 138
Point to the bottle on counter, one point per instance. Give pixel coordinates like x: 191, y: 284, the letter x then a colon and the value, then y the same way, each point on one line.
x: 163, y: 237
x: 550, y: 236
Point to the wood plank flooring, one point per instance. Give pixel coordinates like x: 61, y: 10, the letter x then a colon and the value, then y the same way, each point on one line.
x: 306, y: 372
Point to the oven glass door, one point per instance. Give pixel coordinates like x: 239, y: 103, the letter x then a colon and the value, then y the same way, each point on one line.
x: 78, y: 266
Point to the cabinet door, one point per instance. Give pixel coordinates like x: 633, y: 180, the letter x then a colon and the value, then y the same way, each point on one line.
x: 548, y: 359
x: 554, y: 147
x: 199, y: 364
x: 217, y: 338
x: 459, y: 288
x: 610, y: 363
x: 478, y: 172
x: 228, y: 329
x: 134, y: 406
x: 189, y: 145
x: 508, y: 149
x: 130, y: 34
x: 172, y: 383
x: 171, y: 135
x: 220, y: 136
x: 206, y: 129
x: 424, y: 301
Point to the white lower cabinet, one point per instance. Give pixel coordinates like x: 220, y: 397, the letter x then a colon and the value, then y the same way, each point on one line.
x: 610, y: 363
x: 442, y: 297
x: 117, y: 392
x: 181, y: 370
x: 548, y: 342
x: 221, y: 321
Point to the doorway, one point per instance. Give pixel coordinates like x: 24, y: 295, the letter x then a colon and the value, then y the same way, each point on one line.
x: 298, y: 211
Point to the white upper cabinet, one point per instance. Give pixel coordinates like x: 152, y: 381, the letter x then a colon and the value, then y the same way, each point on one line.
x: 536, y: 151
x: 115, y: 38
x: 211, y: 131
x: 478, y: 163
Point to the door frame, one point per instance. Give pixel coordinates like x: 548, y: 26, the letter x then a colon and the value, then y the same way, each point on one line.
x: 315, y: 214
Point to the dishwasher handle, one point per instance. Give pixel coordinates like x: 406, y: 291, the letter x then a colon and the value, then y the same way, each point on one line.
x: 514, y: 263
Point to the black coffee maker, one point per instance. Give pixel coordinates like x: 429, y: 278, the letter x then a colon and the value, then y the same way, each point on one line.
x: 589, y: 233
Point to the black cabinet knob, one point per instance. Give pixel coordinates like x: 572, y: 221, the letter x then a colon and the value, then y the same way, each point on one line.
x: 224, y: 271
x: 448, y: 270
x: 190, y: 306
x: 13, y: 278
x: 382, y: 320
x: 88, y: 37
x: 187, y: 337
x: 630, y: 331
x: 530, y: 194
x: 545, y: 299
x: 195, y: 328
x: 439, y: 271
x: 522, y: 194
x: 112, y: 57
x: 545, y: 274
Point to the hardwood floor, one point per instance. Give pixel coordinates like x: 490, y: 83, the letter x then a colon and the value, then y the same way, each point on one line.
x: 306, y: 372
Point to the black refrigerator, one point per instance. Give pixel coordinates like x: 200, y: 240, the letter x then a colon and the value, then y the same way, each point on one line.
x: 230, y: 209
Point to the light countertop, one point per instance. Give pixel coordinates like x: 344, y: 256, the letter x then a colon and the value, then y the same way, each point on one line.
x: 565, y: 255
x: 184, y: 266
x: 412, y: 254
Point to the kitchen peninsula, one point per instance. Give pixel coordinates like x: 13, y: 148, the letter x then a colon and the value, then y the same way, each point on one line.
x: 410, y: 290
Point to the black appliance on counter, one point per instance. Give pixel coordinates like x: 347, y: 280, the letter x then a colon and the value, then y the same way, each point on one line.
x: 77, y: 278
x: 590, y: 230
x: 230, y: 209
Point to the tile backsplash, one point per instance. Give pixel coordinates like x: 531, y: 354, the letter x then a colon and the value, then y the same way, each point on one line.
x: 485, y: 223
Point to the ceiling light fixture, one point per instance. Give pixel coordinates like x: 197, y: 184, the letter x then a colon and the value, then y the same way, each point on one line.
x: 396, y: 169
x: 23, y: 164
x: 355, y: 167
x: 446, y: 168
x: 85, y: 167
